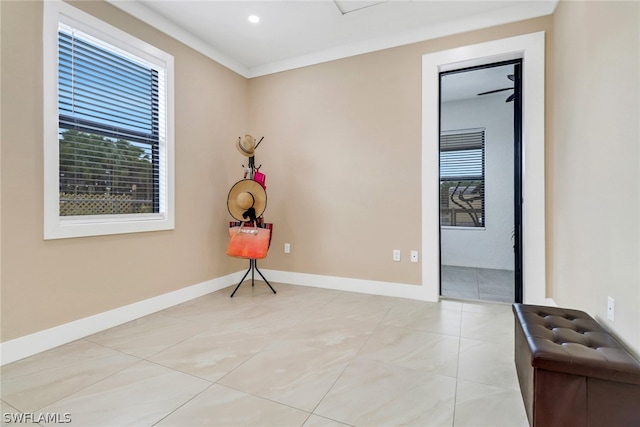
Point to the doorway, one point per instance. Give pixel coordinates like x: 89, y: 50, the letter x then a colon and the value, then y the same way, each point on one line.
x: 480, y: 182
x: 531, y: 49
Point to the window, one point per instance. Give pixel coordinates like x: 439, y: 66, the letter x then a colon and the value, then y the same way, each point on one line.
x: 109, y: 164
x: 462, y: 201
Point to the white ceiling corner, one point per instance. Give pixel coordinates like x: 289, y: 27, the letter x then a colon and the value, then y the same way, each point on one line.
x: 297, y: 33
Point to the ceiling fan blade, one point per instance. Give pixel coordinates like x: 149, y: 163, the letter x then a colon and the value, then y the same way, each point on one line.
x: 497, y: 90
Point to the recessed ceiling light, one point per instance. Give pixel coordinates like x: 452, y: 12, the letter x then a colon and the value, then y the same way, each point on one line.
x: 254, y: 19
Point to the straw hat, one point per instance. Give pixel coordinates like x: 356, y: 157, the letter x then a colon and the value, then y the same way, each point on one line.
x: 245, y: 195
x: 246, y: 145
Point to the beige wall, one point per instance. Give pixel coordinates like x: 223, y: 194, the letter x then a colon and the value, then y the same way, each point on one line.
x: 342, y: 156
x: 593, y: 159
x: 48, y: 283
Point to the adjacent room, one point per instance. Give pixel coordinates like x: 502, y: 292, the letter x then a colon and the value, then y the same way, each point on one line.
x: 478, y: 169
x: 421, y: 169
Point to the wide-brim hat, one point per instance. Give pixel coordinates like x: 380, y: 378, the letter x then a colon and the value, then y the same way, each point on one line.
x: 246, y: 145
x: 246, y: 194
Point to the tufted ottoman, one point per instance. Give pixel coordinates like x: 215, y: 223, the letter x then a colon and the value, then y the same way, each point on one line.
x: 572, y: 372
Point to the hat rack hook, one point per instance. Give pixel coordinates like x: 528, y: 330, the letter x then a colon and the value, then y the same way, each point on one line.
x: 251, y: 168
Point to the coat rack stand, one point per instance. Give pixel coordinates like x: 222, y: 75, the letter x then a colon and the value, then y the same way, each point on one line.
x: 253, y: 264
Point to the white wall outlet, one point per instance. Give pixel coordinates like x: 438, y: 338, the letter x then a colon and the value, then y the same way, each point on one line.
x: 287, y: 248
x: 396, y: 254
x: 414, y: 256
x: 611, y: 308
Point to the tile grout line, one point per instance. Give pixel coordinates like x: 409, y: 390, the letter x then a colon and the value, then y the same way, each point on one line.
x: 356, y: 352
x: 140, y: 360
x: 257, y: 396
x: 455, y: 399
x: 184, y: 403
x: 347, y: 366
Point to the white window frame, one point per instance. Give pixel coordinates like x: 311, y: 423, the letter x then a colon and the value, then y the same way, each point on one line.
x: 61, y: 227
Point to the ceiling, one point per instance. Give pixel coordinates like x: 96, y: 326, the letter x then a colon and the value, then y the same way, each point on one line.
x: 468, y: 84
x: 297, y: 33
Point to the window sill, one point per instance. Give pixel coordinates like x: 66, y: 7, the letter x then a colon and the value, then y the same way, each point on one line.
x: 85, y: 226
x: 451, y: 227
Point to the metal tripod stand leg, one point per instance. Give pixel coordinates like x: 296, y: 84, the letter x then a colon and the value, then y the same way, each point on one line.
x: 253, y: 265
x: 242, y: 280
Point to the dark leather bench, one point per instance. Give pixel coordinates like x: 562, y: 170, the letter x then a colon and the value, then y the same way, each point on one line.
x: 572, y: 372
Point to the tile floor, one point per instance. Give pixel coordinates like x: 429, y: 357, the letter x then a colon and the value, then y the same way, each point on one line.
x: 478, y: 284
x: 304, y: 357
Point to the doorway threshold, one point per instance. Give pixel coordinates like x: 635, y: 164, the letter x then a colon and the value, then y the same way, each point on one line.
x: 477, y: 284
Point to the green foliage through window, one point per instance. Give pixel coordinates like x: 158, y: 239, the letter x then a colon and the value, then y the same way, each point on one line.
x: 99, y: 175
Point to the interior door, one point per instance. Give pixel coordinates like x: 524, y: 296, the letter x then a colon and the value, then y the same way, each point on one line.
x: 480, y: 182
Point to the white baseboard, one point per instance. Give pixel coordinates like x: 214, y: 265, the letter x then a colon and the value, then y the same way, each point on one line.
x: 31, y: 344
x: 400, y: 290
x: 28, y: 345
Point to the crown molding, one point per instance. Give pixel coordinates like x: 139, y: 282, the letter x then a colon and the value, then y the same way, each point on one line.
x: 518, y: 12
x: 478, y: 22
x: 159, y: 22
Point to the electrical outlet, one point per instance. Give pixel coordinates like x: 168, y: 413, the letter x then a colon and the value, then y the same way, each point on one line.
x: 287, y: 248
x: 611, y: 308
x: 414, y: 256
x: 396, y: 254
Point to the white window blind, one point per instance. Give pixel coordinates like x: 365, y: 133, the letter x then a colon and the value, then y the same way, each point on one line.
x: 462, y: 155
x: 109, y: 128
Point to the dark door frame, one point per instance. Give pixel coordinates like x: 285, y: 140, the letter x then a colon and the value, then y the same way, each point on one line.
x: 517, y: 161
x: 518, y: 200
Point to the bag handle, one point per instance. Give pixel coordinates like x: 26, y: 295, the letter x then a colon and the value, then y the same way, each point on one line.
x: 252, y: 231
